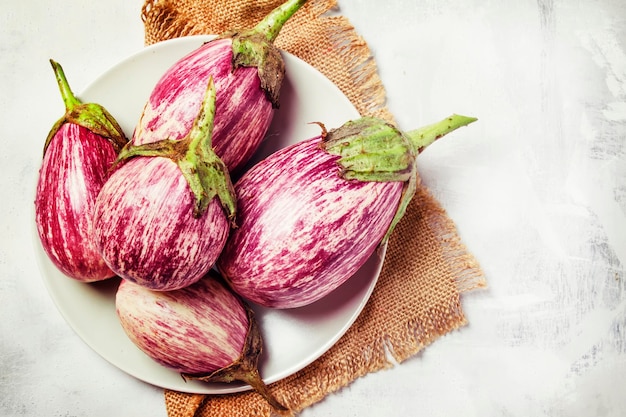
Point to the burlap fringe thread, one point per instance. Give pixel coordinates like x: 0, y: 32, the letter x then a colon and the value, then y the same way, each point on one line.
x: 417, y: 297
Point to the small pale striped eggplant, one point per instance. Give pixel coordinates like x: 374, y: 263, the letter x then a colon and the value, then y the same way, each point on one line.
x: 248, y: 71
x: 78, y: 154
x: 204, y: 331
x: 311, y: 214
x: 162, y: 218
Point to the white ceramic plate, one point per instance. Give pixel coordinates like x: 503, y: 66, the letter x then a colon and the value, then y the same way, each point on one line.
x: 293, y: 338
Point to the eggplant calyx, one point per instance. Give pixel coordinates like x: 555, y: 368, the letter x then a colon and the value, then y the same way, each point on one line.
x: 245, y: 368
x: 205, y: 172
x: 371, y: 149
x: 255, y: 48
x: 408, y: 191
x: 91, y: 116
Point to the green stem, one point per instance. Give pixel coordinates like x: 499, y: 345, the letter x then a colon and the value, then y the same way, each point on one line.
x: 271, y: 25
x: 69, y: 98
x: 255, y: 48
x: 205, y: 172
x: 424, y: 136
x: 201, y: 133
x: 91, y: 116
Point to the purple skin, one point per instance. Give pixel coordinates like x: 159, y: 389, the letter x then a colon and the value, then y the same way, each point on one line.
x: 303, y: 230
x: 195, y: 330
x: 145, y: 228
x: 73, y: 171
x: 243, y: 112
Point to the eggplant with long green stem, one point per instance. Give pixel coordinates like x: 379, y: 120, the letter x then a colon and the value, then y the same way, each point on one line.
x: 163, y: 216
x: 311, y: 214
x: 78, y: 153
x: 247, y: 70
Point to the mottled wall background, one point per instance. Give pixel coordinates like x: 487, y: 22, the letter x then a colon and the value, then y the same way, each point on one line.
x: 537, y: 188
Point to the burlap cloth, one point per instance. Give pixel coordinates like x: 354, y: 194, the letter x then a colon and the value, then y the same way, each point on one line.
x: 427, y: 267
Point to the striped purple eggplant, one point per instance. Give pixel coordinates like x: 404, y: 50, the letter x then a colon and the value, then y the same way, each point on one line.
x: 247, y: 70
x: 78, y: 154
x: 203, y: 331
x: 163, y: 216
x: 311, y: 214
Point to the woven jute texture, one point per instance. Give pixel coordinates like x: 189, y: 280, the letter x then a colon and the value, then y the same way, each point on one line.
x: 417, y: 298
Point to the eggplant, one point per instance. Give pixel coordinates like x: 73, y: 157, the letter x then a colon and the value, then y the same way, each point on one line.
x: 163, y: 216
x: 78, y: 153
x: 204, y: 331
x: 248, y: 71
x: 311, y: 214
